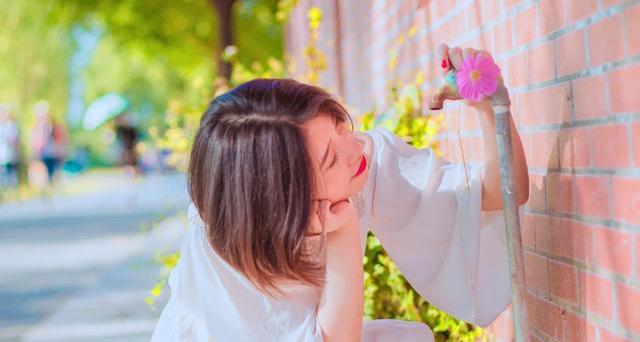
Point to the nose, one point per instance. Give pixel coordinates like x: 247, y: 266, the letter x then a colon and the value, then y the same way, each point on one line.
x: 356, y: 151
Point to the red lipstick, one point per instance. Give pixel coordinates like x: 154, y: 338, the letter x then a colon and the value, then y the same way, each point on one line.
x: 363, y: 166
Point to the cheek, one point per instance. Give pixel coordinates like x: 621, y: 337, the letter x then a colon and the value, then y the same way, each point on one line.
x: 338, y: 185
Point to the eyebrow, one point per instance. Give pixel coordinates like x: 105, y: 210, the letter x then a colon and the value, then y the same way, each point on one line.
x: 326, y: 153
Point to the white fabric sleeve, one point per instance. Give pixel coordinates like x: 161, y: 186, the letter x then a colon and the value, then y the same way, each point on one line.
x: 431, y: 225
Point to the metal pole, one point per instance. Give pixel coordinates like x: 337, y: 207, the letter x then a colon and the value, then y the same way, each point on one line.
x: 502, y: 113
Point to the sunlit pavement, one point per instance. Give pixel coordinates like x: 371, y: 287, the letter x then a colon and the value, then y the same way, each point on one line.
x: 79, y: 265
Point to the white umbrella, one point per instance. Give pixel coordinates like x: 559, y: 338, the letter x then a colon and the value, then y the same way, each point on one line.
x: 104, y: 109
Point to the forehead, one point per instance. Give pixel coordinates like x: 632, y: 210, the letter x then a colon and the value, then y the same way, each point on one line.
x: 319, y: 131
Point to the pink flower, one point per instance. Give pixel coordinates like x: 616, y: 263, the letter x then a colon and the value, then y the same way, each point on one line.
x: 477, y: 77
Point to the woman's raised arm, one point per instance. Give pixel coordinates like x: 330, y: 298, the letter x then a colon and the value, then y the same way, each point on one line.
x: 341, y: 305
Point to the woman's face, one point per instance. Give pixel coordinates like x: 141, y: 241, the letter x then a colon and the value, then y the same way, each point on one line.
x: 338, y: 156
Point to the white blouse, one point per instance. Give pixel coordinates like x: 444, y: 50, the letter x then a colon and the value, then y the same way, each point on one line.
x: 428, y: 221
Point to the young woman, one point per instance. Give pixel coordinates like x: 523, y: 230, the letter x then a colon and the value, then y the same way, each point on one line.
x: 284, y: 193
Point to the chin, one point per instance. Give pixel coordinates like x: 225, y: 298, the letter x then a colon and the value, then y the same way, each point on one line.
x: 358, y: 183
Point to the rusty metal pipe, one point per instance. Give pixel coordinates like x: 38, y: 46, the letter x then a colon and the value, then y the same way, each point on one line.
x: 501, y: 109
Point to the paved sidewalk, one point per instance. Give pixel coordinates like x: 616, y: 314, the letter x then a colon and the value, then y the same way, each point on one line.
x: 78, y: 266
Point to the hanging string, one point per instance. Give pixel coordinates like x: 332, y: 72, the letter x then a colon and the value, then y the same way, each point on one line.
x: 464, y: 162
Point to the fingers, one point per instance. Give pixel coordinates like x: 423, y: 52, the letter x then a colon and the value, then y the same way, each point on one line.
x: 455, y: 56
x: 443, y: 53
x: 468, y: 52
x: 328, y: 217
x: 340, y: 209
x: 319, y: 209
x: 485, y: 54
x: 336, y: 215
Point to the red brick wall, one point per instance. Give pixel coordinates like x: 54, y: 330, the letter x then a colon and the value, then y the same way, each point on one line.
x: 573, y: 71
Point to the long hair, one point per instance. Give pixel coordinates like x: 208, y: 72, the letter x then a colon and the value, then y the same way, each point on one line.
x: 251, y: 178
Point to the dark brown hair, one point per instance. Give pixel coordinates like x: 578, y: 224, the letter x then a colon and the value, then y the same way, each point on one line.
x: 251, y: 179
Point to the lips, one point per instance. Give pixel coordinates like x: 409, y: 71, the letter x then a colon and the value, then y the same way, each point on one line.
x: 363, y: 166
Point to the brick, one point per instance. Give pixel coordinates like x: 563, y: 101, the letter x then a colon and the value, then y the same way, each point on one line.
x: 488, y: 9
x: 484, y: 41
x: 552, y: 16
x: 570, y: 53
x: 575, y: 148
x: 545, y: 149
x: 525, y: 30
x: 518, y: 72
x: 528, y: 231
x: 606, y: 41
x: 614, y: 250
x: 577, y: 241
x: 638, y: 256
x: 550, y: 319
x: 632, y: 20
x: 578, y: 10
x: 578, y: 329
x: 540, y: 61
x: 596, y: 294
x: 548, y: 234
x: 607, y: 336
x: 537, y: 192
x: 610, y: 146
x: 589, y: 97
x: 536, y: 271
x: 626, y: 199
x: 592, y: 196
x: 473, y: 17
x: 441, y: 7
x: 450, y: 30
x: 628, y: 308
x: 528, y: 110
x: 503, y: 36
x: 532, y: 309
x: 609, y: 3
x: 621, y: 81
x: 563, y: 281
x: 560, y: 193
x: 554, y: 103
x: 509, y: 4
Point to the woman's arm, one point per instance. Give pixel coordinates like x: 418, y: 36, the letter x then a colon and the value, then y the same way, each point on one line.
x: 491, y: 189
x: 341, y: 305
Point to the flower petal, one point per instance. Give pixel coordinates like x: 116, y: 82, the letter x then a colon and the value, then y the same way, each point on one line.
x: 487, y: 85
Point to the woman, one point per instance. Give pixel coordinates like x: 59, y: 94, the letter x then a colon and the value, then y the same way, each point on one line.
x: 284, y: 194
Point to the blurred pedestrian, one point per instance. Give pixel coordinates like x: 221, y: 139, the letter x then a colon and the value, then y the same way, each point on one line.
x: 128, y: 136
x: 9, y: 149
x: 49, y: 145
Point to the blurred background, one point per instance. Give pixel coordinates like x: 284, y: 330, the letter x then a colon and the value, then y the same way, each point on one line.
x: 98, y: 84
x: 98, y: 102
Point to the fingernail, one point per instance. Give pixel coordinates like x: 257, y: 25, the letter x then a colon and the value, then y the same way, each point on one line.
x: 444, y: 64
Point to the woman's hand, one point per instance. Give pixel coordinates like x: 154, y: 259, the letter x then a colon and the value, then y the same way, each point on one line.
x: 331, y: 216
x: 452, y: 58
